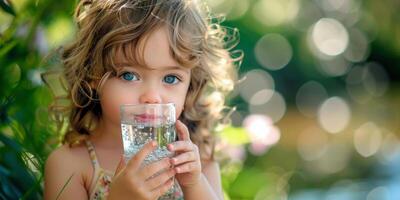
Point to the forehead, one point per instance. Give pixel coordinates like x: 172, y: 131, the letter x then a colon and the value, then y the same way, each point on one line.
x: 151, y: 51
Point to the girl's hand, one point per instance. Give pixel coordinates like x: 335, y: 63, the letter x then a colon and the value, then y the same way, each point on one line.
x: 187, y: 158
x: 132, y: 181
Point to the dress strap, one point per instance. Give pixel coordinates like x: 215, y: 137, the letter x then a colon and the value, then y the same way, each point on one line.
x: 92, y: 154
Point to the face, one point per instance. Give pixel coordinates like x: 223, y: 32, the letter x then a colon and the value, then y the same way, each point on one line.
x: 161, y: 81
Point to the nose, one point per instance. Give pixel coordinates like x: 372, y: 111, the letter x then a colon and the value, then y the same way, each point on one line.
x: 150, y: 97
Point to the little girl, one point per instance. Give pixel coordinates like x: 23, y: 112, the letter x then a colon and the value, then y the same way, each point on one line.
x: 141, y: 52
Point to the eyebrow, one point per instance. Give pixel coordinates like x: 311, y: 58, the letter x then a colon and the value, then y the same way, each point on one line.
x: 163, y: 68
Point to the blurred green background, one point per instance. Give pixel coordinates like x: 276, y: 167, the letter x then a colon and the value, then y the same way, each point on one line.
x: 317, y: 106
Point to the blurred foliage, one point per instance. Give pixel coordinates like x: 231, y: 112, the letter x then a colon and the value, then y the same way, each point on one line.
x: 30, y: 29
x: 26, y: 138
x: 17, y: 181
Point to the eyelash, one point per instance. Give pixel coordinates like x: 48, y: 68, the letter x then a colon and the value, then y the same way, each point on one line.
x: 132, y: 73
x: 121, y: 75
x: 175, y: 76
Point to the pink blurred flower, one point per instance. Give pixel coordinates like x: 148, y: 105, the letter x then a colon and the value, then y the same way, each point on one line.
x: 233, y: 152
x: 262, y: 133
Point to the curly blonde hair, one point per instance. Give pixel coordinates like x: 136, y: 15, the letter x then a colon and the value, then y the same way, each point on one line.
x: 197, y: 41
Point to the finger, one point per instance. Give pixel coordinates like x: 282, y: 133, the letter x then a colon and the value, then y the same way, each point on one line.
x: 187, y: 167
x: 183, y: 158
x: 155, y: 167
x: 121, y: 165
x: 163, y: 188
x: 160, y: 179
x: 137, y: 159
x: 183, y: 131
x: 182, y: 146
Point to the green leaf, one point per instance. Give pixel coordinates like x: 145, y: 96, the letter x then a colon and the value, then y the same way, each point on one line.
x: 35, y: 187
x: 7, y: 7
x: 14, y: 176
x: 13, y: 75
x: 249, y: 182
x: 4, y: 171
x: 18, y: 130
x: 6, y: 48
x: 9, y: 143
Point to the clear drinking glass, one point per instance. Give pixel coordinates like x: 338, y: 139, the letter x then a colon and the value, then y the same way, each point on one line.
x: 143, y: 123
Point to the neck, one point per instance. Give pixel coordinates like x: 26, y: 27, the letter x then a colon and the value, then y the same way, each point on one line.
x: 107, y: 135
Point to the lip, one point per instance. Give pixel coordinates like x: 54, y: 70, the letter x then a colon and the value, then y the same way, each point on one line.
x: 146, y: 117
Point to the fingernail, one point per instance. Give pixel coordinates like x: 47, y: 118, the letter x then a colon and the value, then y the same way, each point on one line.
x: 171, y: 147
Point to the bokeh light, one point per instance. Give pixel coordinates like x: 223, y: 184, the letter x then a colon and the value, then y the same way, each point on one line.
x: 334, y: 114
x: 333, y: 5
x: 310, y: 13
x: 309, y: 97
x: 376, y: 80
x: 262, y: 133
x: 273, y: 51
x: 366, y: 81
x: 390, y: 148
x: 355, y: 85
x: 261, y: 97
x: 378, y: 193
x: 367, y: 139
x: 255, y: 81
x: 344, y: 189
x: 232, y: 9
x: 275, y: 107
x: 347, y: 11
x: 335, y: 158
x: 358, y: 49
x: 275, y: 12
x: 333, y: 67
x: 328, y: 37
x: 312, y: 143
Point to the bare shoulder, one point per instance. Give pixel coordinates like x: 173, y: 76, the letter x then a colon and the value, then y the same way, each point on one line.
x: 68, y: 159
x: 66, y: 154
x: 65, y: 171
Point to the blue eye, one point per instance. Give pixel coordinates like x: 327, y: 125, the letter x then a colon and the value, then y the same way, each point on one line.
x: 171, y: 79
x: 129, y: 76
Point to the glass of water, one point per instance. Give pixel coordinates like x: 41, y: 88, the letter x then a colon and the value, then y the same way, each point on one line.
x: 143, y: 123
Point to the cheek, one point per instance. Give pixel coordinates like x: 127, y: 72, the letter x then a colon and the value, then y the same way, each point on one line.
x: 112, y: 96
x: 110, y: 109
x: 178, y: 111
x: 179, y: 100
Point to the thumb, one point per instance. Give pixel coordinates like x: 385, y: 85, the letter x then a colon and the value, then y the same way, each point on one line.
x: 121, y: 165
